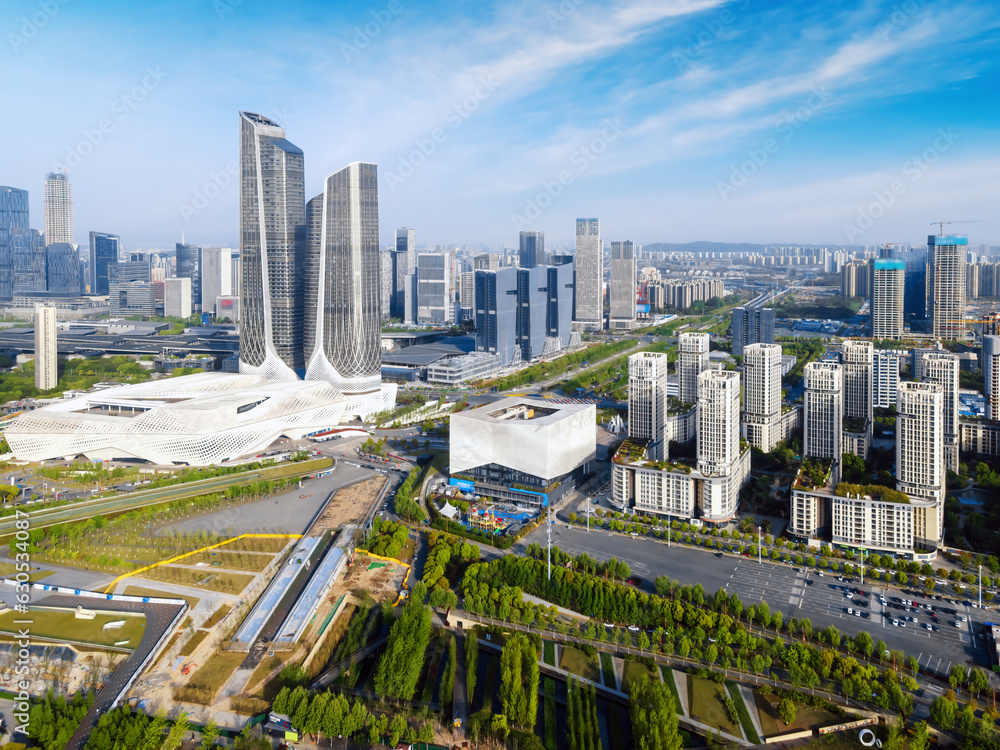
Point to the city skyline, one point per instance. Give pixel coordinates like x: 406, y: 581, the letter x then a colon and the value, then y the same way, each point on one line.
x: 777, y: 124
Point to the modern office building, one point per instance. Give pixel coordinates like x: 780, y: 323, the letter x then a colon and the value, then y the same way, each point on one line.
x: 46, y: 348
x: 823, y: 410
x: 404, y: 264
x: 559, y: 305
x: 920, y: 455
x: 189, y: 267
x: 486, y: 262
x: 62, y: 270
x: 13, y: 221
x: 622, y: 313
x: 589, y: 264
x: 936, y: 366
x: 216, y: 277
x: 496, y: 314
x: 177, y: 297
x: 343, y: 328
x: 272, y: 228
x: 915, y: 290
x: 857, y: 361
x: 886, y: 309
x: 761, y: 395
x: 58, y: 209
x: 946, y: 301
x: 721, y: 457
x: 991, y: 375
x: 885, y: 377
x: 433, y: 284
x: 532, y: 311
x: 531, y: 249
x: 29, y: 263
x: 466, y: 295
x: 752, y: 325
x: 526, y: 451
x: 385, y: 283
x: 104, y: 252
x: 647, y: 400
x: 692, y: 361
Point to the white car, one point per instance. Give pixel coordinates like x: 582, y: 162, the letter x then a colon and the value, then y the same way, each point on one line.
x: 850, y: 611
x: 633, y: 628
x: 895, y: 622
x: 958, y: 624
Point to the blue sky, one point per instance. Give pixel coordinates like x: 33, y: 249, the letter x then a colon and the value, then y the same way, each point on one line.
x: 670, y: 120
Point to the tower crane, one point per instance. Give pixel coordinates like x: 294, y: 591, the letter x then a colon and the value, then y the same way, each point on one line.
x: 942, y: 223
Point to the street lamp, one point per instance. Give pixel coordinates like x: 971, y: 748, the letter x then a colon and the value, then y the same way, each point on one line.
x: 759, y: 557
x: 980, y: 586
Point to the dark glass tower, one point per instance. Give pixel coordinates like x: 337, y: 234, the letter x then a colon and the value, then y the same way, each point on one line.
x: 103, y: 255
x: 189, y: 267
x: 13, y: 218
x: 272, y: 229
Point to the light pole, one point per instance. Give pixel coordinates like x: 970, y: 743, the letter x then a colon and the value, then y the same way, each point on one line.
x: 668, y: 531
x: 980, y: 586
x: 588, y: 515
x: 759, y: 557
x: 862, y: 566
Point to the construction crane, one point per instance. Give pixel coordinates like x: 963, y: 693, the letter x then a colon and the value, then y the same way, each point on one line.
x: 942, y: 223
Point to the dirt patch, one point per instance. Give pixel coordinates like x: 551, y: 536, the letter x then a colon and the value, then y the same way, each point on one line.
x: 349, y: 505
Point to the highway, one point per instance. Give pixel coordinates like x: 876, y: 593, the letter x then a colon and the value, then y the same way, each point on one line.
x: 785, y: 589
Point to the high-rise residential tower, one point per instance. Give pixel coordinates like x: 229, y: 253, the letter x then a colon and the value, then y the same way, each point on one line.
x: 647, y: 397
x: 823, y: 410
x: 58, y: 209
x: 272, y: 228
x: 589, y: 264
x: 920, y: 463
x: 692, y: 361
x: 104, y: 249
x: 342, y: 292
x: 46, y: 348
x: 991, y: 375
x: 857, y: 357
x: 724, y: 466
x: 885, y: 377
x: 886, y: 310
x: 622, y: 289
x: 947, y: 285
x: 531, y: 249
x: 761, y: 395
x: 13, y: 221
x: 935, y: 366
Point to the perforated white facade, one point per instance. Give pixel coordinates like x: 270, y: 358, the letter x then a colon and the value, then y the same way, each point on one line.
x: 201, y: 419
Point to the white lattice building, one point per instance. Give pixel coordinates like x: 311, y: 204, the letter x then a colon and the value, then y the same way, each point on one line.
x: 200, y: 419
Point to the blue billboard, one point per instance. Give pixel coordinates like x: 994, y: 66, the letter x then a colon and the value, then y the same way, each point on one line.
x: 463, y: 484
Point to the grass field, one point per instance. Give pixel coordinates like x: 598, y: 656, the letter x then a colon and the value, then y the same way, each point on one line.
x: 231, y: 560
x: 707, y: 704
x: 64, y: 626
x: 549, y: 653
x: 671, y: 682
x: 217, y: 616
x: 193, y: 642
x: 749, y: 730
x: 265, y: 544
x: 206, y: 682
x: 215, y: 580
x: 805, y: 716
x: 608, y: 670
x: 575, y: 661
x: 131, y: 590
x: 636, y: 671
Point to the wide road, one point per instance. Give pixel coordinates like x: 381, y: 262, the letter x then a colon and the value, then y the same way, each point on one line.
x: 786, y: 588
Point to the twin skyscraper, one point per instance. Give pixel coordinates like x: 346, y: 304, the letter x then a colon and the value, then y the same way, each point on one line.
x: 310, y: 289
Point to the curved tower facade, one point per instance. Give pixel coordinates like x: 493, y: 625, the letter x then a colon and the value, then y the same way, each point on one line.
x: 342, y: 323
x: 272, y: 228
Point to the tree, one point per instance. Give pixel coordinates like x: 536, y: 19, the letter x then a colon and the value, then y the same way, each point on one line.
x: 853, y: 468
x: 944, y: 711
x: 654, y: 716
x: 957, y: 676
x: 209, y: 734
x: 920, y: 739
x: 396, y: 728
x: 786, y: 711
x: 863, y: 642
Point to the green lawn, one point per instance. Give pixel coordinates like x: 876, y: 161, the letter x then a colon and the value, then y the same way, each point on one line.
x: 210, y: 578
x: 805, y: 716
x: 206, y: 682
x: 230, y: 560
x: 573, y: 660
x: 608, y: 670
x: 671, y: 682
x: 217, y: 616
x: 193, y: 642
x: 64, y: 626
x: 707, y: 704
x: 749, y: 730
x: 636, y: 671
x: 549, y: 653
x: 140, y: 591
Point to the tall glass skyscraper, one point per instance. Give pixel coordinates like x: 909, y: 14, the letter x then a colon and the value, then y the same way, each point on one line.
x: 531, y: 249
x: 13, y: 219
x: 104, y: 249
x: 189, y: 267
x: 272, y: 228
x: 342, y: 325
x: 589, y: 307
x: 947, y: 285
x: 29, y: 262
x: 58, y: 209
x: 621, y: 313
